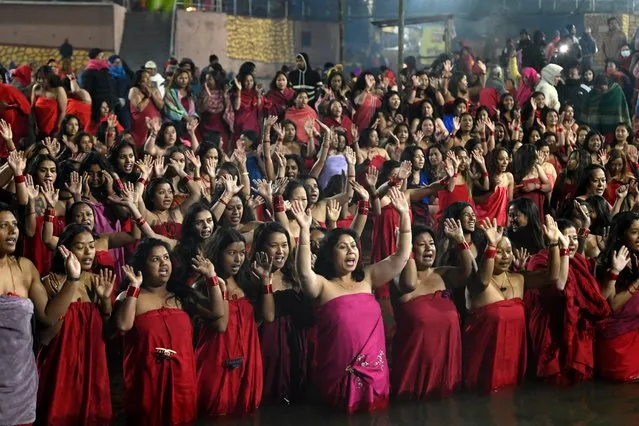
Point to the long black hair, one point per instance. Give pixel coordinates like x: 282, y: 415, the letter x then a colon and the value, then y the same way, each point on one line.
x: 325, y: 263
x: 66, y: 239
x: 214, y: 250
x: 187, y: 248
x: 447, y: 253
x: 260, y: 240
x: 530, y: 236
x: 617, y: 238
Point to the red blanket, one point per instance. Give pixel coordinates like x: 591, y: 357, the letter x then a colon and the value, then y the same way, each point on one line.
x: 17, y: 114
x: 34, y: 249
x: 83, y: 112
x: 427, y: 350
x: 300, y: 117
x: 494, y: 346
x: 561, y: 324
x: 46, y: 114
x: 74, y: 363
x: 229, y: 365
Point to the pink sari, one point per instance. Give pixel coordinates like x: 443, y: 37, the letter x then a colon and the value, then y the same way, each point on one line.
x: 366, y: 111
x: 352, y: 370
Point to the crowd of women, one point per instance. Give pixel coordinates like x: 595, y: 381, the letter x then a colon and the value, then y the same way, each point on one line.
x: 218, y: 248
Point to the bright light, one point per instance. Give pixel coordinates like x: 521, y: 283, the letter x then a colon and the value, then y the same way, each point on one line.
x: 563, y: 48
x: 191, y: 9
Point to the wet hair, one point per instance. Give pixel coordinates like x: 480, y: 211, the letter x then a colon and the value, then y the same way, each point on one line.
x: 530, y: 236
x: 298, y: 160
x: 35, y: 163
x: 214, y: 250
x: 66, y: 239
x: 447, y: 253
x: 65, y: 121
x: 365, y: 136
x: 292, y: 185
x: 524, y: 160
x: 261, y: 236
x: 187, y: 246
x: 325, y: 263
x: 113, y: 155
x: 71, y: 211
x: 46, y: 73
x: 584, y: 180
x: 602, y: 210
x: 149, y: 194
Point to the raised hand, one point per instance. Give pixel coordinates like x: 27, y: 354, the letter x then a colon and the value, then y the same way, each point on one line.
x: 32, y: 190
x: 350, y: 156
x: 255, y: 201
x: 264, y: 188
x: 158, y: 166
x: 456, y: 124
x: 552, y: 232
x: 372, y: 174
x: 584, y: 214
x: 354, y: 132
x: 52, y: 145
x: 521, y: 258
x: 333, y: 210
x: 192, y: 124
x: 621, y: 192
x: 602, y: 156
x: 360, y: 190
x: 135, y: 278
x: 405, y: 170
x: 230, y: 185
x: 302, y: 216
x: 203, y: 266
x: 279, y: 185
x: 153, y: 124
x: 398, y: 200
x: 453, y: 230
x: 193, y: 159
x: 107, y: 180
x: 51, y: 194
x: 620, y: 259
x: 210, y: 164
x: 277, y: 127
x: 492, y: 231
x: 103, y: 283
x: 112, y: 121
x: 270, y: 121
x: 74, y: 185
x: 262, y: 267
x: 176, y: 165
x: 17, y: 161
x: 71, y: 263
x: 479, y: 159
x: 5, y: 131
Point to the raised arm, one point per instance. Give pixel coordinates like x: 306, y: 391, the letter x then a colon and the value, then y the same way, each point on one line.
x: 363, y: 205
x: 18, y: 162
x: 218, y: 303
x: 493, y: 235
x: 385, y: 270
x: 263, y: 268
x: 458, y: 275
x: 619, y: 262
x: 125, y: 309
x: 312, y: 284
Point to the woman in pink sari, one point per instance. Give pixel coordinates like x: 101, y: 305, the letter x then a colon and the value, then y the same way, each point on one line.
x: 214, y: 107
x: 247, y: 104
x: 146, y: 103
x: 529, y: 80
x: 351, y: 370
x: 367, y: 100
x: 280, y: 96
x: 299, y: 114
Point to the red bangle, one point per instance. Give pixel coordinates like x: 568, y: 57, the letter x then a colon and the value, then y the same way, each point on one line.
x: 278, y: 204
x: 48, y: 218
x: 213, y: 281
x: 140, y: 221
x: 583, y: 232
x: 120, y: 184
x: 133, y: 291
x: 19, y: 179
x: 268, y: 289
x: 49, y: 212
x: 223, y: 201
x: 564, y: 252
x: 464, y: 246
x: 491, y: 252
x: 484, y: 174
x: 612, y: 276
x: 363, y: 207
x: 187, y: 178
x: 142, y: 181
x: 225, y: 295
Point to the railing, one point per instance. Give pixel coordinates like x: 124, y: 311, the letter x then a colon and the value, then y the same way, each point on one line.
x: 295, y: 9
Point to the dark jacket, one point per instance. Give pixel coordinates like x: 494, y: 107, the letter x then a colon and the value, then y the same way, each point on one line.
x: 99, y: 84
x: 306, y: 79
x: 572, y: 92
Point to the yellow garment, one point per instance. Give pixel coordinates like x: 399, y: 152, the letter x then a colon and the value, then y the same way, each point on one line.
x: 513, y: 70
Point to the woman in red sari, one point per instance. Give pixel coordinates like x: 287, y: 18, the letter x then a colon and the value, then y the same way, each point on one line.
x: 530, y: 178
x: 247, y: 104
x: 160, y: 386
x: 300, y: 114
x: 459, y: 184
x: 49, y: 101
x: 367, y: 100
x: 562, y: 320
x: 494, y: 334
x: 352, y: 369
x: 280, y: 96
x: 14, y: 109
x: 617, y: 340
x: 428, y: 338
x: 336, y: 118
x: 228, y: 355
x: 78, y: 101
x: 214, y: 107
x: 73, y: 359
x: 146, y: 103
x: 495, y: 203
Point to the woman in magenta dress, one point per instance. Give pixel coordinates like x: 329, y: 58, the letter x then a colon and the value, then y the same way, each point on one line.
x: 247, y: 101
x: 459, y: 183
x: 214, y: 107
x: 146, y: 103
x: 495, y: 203
x: 352, y: 371
x: 367, y: 100
x: 280, y: 96
x: 428, y: 336
x: 228, y: 356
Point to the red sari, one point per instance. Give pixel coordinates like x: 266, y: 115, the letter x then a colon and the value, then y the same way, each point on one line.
x: 169, y: 229
x: 494, y: 346
x: 158, y: 389
x: 366, y: 111
x: 496, y: 206
x: 617, y: 343
x: 74, y: 363
x: 562, y: 324
x: 138, y: 121
x: 459, y: 193
x: 300, y: 117
x: 248, y: 116
x: 344, y: 122
x: 17, y: 116
x: 426, y: 348
x: 81, y: 110
x: 34, y: 249
x: 279, y: 101
x: 536, y: 197
x: 46, y: 115
x: 229, y: 365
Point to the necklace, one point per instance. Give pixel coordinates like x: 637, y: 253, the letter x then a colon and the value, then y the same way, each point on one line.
x: 501, y: 286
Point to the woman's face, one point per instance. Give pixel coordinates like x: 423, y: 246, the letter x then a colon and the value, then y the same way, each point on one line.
x: 104, y: 109
x: 462, y: 157
x: 509, y: 103
x: 621, y: 134
x: 336, y: 109
x: 504, y: 257
x: 313, y: 190
x: 468, y: 220
x: 289, y: 132
x: 203, y: 224
x: 83, y: 247
x: 631, y: 237
x: 83, y: 215
x: 158, y: 265
x: 428, y: 127
x: 616, y: 166
x: 46, y: 172
x: 126, y: 160
x: 72, y: 127
x: 145, y: 77
x: 597, y: 182
x: 183, y: 80
x: 178, y: 158
x: 9, y: 232
x: 402, y: 134
x: 345, y: 255
x: 291, y: 171
x: 543, y: 153
x: 281, y: 82
x: 248, y: 82
x: 163, y: 197
x: 569, y: 113
x: 317, y: 235
x: 96, y: 178
x: 424, y: 251
x: 516, y: 219
x: 552, y: 118
x: 483, y: 115
x: 435, y: 157
x: 301, y: 100
x: 170, y: 135
x: 534, y: 136
x: 573, y: 240
x: 370, y: 80
x: 299, y: 194
x: 463, y: 83
x: 589, y: 76
x: 394, y: 102
x: 581, y: 136
x: 277, y: 249
x: 373, y: 139
x: 540, y: 101
x: 427, y: 109
x: 551, y: 140
x: 502, y: 161
x: 500, y: 133
x: 461, y: 108
x: 212, y: 155
x: 233, y: 258
x: 418, y: 159
x: 594, y: 143
x: 336, y: 83
x: 234, y: 211
x: 210, y: 82
x: 466, y: 124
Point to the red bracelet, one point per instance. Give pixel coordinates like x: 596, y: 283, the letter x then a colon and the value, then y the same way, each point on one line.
x: 491, y: 252
x: 612, y: 276
x: 225, y: 295
x: 187, y: 178
x: 583, y: 232
x: 278, y: 204
x: 133, y: 291
x: 141, y: 221
x: 213, y: 281
x: 19, y: 179
x: 268, y: 289
x: 49, y: 212
x: 142, y: 181
x: 120, y: 184
x: 564, y: 252
x: 484, y: 174
x: 48, y: 218
x: 363, y: 207
x: 223, y: 201
x: 465, y: 246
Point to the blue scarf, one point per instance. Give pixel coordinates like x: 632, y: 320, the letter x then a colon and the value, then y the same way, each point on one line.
x: 117, y: 72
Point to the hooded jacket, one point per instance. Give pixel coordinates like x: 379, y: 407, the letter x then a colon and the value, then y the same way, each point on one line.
x: 547, y: 85
x: 305, y: 79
